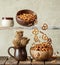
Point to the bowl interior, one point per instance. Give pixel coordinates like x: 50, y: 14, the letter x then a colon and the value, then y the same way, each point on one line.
x: 25, y: 11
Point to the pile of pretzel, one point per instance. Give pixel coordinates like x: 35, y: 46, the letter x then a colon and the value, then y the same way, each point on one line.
x: 44, y: 46
x: 26, y: 17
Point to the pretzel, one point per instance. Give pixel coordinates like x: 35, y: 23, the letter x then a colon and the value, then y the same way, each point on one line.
x: 45, y: 26
x: 44, y: 37
x: 42, y: 47
x: 26, y: 17
x: 35, y: 31
x: 36, y: 39
x: 41, y: 32
x: 49, y: 40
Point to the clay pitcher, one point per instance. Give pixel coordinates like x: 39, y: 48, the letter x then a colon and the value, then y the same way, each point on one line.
x: 20, y: 53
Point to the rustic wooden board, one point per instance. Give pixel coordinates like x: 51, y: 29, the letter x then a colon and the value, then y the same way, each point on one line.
x: 25, y: 63
x: 37, y: 62
x: 53, y: 61
x: 3, y: 59
x: 11, y: 61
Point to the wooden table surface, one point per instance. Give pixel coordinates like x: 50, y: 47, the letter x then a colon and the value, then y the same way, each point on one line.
x: 4, y: 60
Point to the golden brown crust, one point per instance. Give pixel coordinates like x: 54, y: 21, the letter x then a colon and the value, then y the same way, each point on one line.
x: 45, y: 26
x: 44, y: 46
x: 26, y: 17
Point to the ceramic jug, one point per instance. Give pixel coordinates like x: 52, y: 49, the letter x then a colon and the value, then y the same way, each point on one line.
x: 20, y: 53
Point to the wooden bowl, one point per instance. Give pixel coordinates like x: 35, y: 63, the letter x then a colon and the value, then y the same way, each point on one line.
x: 23, y: 22
x: 41, y: 55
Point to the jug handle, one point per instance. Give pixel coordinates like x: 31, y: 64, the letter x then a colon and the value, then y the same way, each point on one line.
x: 10, y: 52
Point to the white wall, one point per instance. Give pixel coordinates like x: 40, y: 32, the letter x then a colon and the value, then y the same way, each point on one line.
x: 48, y: 11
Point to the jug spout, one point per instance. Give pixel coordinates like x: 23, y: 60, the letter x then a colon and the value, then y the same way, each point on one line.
x: 24, y: 41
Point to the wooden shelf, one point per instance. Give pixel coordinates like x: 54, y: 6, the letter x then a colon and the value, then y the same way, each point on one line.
x: 9, y: 28
x: 30, y: 28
